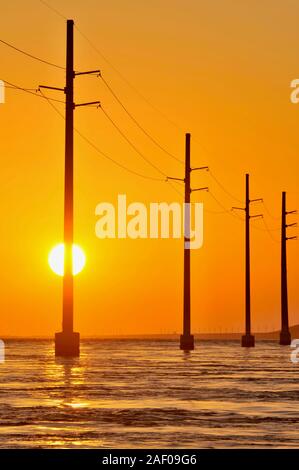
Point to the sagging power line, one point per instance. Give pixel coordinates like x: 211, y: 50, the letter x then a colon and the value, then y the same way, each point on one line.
x: 99, y: 74
x: 101, y: 152
x: 31, y: 55
x: 152, y: 139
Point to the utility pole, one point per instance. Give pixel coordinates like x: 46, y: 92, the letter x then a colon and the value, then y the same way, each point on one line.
x: 285, y: 335
x: 67, y: 342
x: 248, y: 338
x: 187, y: 339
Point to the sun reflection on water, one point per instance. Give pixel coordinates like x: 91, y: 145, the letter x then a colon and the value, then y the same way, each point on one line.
x: 120, y: 393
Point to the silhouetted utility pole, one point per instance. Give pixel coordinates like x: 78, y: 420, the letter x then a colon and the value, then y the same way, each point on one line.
x: 67, y: 343
x: 187, y: 339
x: 285, y: 335
x: 248, y: 338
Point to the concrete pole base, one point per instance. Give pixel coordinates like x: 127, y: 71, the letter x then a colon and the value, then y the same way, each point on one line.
x: 67, y: 344
x: 248, y: 341
x: 187, y: 342
x: 285, y: 338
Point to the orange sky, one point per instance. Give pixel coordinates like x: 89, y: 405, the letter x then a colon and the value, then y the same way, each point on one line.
x: 220, y: 69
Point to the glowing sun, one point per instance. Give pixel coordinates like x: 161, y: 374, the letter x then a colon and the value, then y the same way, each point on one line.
x: 56, y: 259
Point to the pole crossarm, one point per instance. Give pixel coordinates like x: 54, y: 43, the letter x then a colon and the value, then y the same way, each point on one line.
x: 52, y: 88
x: 292, y: 225
x: 91, y: 72
x: 238, y: 209
x: 200, y: 168
x: 291, y: 212
x: 291, y: 238
x: 199, y: 189
x: 91, y: 103
x: 175, y: 179
x: 256, y: 200
x: 256, y: 216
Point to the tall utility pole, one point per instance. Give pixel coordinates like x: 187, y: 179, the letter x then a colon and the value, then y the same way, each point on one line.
x: 187, y: 339
x: 285, y: 335
x: 67, y: 342
x: 248, y: 338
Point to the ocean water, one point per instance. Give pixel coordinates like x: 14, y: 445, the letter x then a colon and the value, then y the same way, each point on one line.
x: 149, y: 394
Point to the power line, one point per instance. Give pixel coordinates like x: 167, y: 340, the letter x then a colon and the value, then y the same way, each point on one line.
x: 27, y: 90
x: 131, y: 143
x: 111, y: 90
x: 53, y: 9
x: 148, y: 102
x: 268, y: 229
x: 115, y: 161
x: 139, y: 153
x: 108, y: 157
x: 157, y: 143
x: 225, y: 210
x: 93, y: 46
x: 269, y: 232
x: 138, y: 124
x: 126, y: 81
x: 105, y: 155
x: 174, y: 188
x: 50, y: 101
x: 127, y: 111
x: 8, y: 87
x: 223, y: 187
x: 95, y: 147
x: 269, y: 212
x: 215, y: 212
x: 31, y: 55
